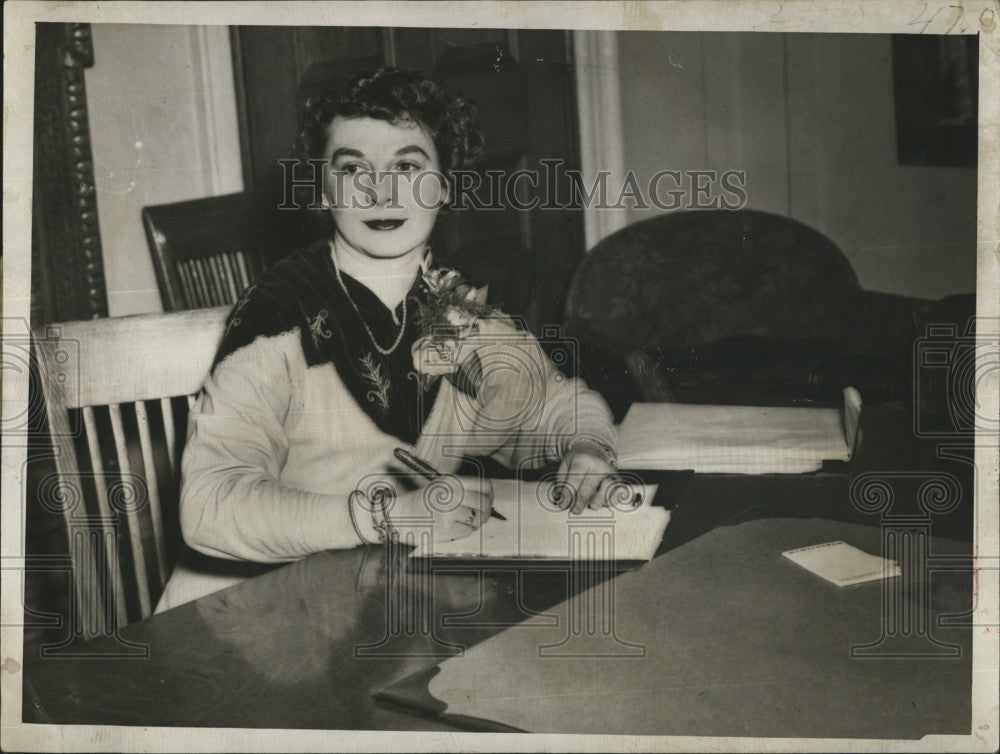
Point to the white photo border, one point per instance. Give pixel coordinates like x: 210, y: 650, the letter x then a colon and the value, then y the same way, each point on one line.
x: 934, y: 17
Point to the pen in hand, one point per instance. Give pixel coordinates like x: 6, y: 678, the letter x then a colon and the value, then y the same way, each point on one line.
x: 428, y: 472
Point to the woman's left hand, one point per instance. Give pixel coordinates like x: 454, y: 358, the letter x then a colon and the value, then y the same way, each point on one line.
x: 588, y: 476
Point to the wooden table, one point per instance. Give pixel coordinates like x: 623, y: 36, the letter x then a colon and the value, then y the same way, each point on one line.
x: 725, y: 637
x: 306, y: 645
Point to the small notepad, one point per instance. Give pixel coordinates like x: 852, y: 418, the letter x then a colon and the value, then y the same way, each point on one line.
x: 842, y: 564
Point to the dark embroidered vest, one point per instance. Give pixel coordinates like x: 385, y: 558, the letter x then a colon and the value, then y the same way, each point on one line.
x: 302, y: 292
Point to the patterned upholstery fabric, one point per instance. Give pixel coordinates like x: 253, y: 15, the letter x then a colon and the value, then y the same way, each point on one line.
x: 735, y: 307
x: 700, y: 277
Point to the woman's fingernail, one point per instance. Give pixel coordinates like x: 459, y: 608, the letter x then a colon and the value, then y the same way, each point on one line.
x: 560, y: 495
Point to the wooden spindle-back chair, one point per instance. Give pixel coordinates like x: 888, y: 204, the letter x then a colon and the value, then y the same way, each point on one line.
x: 117, y: 392
x: 206, y: 251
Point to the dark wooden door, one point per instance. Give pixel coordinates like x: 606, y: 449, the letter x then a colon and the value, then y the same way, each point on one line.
x: 522, y: 82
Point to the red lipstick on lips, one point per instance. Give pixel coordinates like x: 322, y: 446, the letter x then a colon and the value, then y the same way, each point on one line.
x: 384, y: 224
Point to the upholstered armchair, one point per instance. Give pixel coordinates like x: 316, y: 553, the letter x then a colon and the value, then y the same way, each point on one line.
x: 735, y: 307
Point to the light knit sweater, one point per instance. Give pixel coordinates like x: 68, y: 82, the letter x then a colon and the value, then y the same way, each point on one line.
x: 276, y: 445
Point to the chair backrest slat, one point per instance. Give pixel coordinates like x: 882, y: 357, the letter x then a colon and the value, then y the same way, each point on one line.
x: 68, y: 497
x: 199, y: 280
x: 225, y: 295
x: 204, y: 269
x: 166, y: 407
x: 205, y: 298
x: 218, y: 280
x: 190, y: 285
x: 233, y: 287
x: 207, y: 282
x: 187, y: 285
x: 105, y: 517
x: 212, y: 278
x: 128, y: 502
x: 153, y: 490
x: 121, y: 364
x: 241, y: 262
x: 197, y: 292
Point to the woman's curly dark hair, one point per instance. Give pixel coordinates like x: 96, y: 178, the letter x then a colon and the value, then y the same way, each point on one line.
x: 395, y: 95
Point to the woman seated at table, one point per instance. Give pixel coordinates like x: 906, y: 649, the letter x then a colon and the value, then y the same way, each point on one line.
x: 357, y: 346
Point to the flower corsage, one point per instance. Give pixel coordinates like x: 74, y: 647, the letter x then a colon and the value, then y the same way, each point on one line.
x: 448, y: 318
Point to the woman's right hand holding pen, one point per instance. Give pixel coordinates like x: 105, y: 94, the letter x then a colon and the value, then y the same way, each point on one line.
x: 453, y: 507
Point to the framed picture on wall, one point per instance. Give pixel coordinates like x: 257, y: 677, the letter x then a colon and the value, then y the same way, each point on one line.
x: 935, y: 80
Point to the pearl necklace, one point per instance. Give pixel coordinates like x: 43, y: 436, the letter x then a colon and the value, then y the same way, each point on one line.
x: 402, y: 327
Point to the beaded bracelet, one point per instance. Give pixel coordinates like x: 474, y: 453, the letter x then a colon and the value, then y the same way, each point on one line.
x: 609, y: 452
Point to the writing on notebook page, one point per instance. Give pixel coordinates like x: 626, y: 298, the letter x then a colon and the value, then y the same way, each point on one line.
x: 538, y: 526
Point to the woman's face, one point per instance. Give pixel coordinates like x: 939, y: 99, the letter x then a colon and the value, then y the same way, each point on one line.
x: 383, y: 182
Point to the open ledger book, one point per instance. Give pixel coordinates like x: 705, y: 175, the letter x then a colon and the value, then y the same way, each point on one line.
x: 737, y: 439
x: 628, y: 529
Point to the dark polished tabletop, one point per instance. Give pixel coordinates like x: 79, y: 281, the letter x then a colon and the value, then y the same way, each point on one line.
x: 307, y: 644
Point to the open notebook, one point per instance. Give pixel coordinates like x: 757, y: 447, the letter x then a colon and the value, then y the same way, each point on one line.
x: 628, y: 529
x: 737, y: 439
